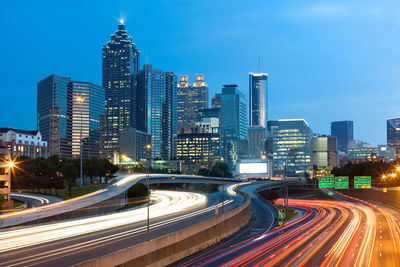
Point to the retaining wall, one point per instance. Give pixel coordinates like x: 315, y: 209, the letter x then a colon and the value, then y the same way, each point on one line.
x: 177, y: 245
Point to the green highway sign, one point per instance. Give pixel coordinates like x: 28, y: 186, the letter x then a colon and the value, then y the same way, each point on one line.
x: 281, y: 214
x: 361, y: 182
x: 327, y: 182
x: 341, y: 182
x: 330, y: 193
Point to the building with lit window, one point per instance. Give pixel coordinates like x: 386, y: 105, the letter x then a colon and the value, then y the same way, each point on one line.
x: 258, y: 93
x: 54, y: 113
x: 5, y: 180
x: 393, y: 134
x: 133, y: 146
x: 216, y: 101
x: 199, y: 146
x: 191, y: 98
x: 68, y: 113
x: 120, y: 60
x: 156, y: 109
x: 22, y: 143
x: 256, y: 136
x: 385, y: 153
x: 324, y: 152
x: 292, y: 148
x: 233, y: 126
x: 343, y: 130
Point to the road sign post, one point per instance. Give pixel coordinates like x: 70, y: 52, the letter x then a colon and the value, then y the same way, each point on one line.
x: 281, y: 214
x: 326, y: 182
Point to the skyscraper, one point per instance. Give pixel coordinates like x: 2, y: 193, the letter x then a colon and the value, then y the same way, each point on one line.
x: 343, y: 130
x: 393, y: 134
x: 86, y: 115
x: 256, y: 136
x: 183, y: 91
x: 54, y: 113
x: 156, y: 101
x: 233, y: 127
x: 191, y: 98
x: 120, y: 60
x: 324, y: 151
x: 216, y: 101
x: 258, y: 93
x: 292, y: 148
x: 64, y: 121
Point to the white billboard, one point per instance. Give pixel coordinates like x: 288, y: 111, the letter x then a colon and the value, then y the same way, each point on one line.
x: 253, y: 168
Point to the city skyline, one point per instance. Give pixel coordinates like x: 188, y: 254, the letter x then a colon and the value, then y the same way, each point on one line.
x: 343, y: 84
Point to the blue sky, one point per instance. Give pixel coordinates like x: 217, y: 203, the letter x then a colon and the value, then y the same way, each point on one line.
x: 326, y: 60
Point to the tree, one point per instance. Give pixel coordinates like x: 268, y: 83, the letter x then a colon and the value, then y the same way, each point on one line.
x: 90, y: 168
x: 70, y: 172
x: 221, y: 169
x: 204, y: 172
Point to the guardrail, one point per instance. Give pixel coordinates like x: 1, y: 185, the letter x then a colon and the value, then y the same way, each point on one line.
x: 177, y: 245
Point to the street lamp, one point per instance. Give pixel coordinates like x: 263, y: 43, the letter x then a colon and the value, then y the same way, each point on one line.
x: 80, y: 100
x: 223, y: 184
x: 148, y: 147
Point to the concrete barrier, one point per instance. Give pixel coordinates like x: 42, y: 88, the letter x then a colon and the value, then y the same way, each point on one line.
x: 177, y: 245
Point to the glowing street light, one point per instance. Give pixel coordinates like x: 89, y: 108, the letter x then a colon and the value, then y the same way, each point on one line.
x: 148, y: 192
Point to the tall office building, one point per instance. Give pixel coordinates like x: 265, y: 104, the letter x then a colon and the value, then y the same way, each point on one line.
x: 233, y: 127
x: 258, y: 93
x: 86, y: 115
x: 256, y: 136
x: 156, y: 114
x: 393, y: 134
x: 64, y: 121
x: 343, y: 130
x: 170, y: 117
x: 324, y: 151
x: 292, y: 148
x: 120, y: 60
x: 216, y: 101
x: 191, y: 98
x: 54, y: 113
x: 183, y: 91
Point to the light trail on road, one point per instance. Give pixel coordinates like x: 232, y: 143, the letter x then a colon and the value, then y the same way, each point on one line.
x: 166, y: 202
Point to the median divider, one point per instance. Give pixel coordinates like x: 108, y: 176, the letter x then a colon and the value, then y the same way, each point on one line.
x: 172, y: 247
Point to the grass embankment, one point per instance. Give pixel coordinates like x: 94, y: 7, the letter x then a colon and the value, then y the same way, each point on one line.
x: 317, y: 194
x: 18, y: 203
x: 289, y: 213
x: 76, y: 191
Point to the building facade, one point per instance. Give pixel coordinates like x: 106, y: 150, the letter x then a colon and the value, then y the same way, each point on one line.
x: 87, y: 109
x: 344, y: 132
x: 199, y: 146
x: 133, y: 146
x: 393, y: 134
x: 22, y: 143
x: 258, y: 93
x: 256, y: 136
x: 68, y: 113
x: 233, y: 127
x: 54, y: 113
x: 324, y: 152
x: 156, y: 109
x: 191, y: 98
x: 216, y: 101
x: 120, y: 60
x: 386, y: 153
x: 292, y: 148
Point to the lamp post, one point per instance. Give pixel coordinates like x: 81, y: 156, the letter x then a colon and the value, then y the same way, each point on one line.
x: 148, y: 192
x: 223, y: 184
x: 80, y: 100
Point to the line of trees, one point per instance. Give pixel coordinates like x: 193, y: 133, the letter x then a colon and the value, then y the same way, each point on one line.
x: 374, y: 169
x: 54, y: 172
x: 218, y: 170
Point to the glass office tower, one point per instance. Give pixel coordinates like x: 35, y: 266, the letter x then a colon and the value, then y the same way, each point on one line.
x: 324, y: 152
x: 64, y: 121
x: 183, y: 91
x: 54, y: 113
x: 120, y: 60
x: 393, y: 134
x: 170, y: 117
x: 258, y: 93
x: 343, y: 130
x: 86, y: 115
x: 292, y: 148
x: 233, y: 127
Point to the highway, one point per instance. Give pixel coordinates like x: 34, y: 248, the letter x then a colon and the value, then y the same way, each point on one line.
x: 35, y: 200
x: 74, y: 241
x: 344, y: 232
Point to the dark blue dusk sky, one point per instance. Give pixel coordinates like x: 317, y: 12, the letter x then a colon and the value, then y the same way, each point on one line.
x: 326, y: 60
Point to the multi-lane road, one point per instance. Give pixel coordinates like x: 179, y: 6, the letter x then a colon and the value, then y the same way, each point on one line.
x: 70, y: 242
x: 341, y: 232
